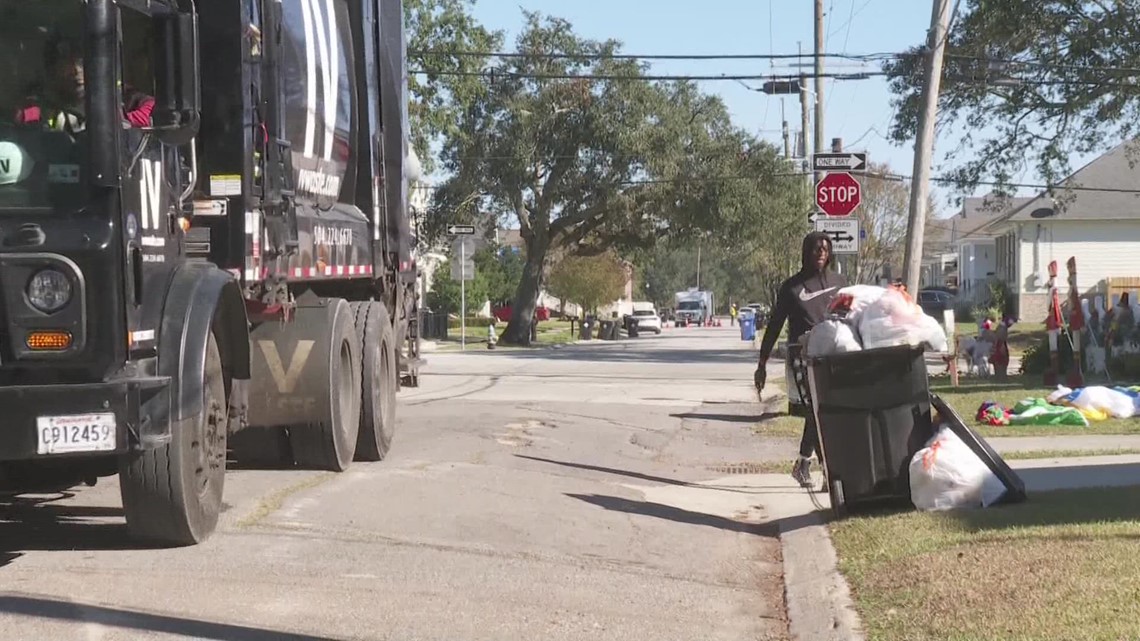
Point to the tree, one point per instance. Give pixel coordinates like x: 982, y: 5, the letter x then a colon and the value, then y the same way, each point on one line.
x: 589, y: 281
x: 1052, y: 78
x: 446, y: 293
x: 436, y: 98
x: 883, y: 221
x: 553, y: 153
x: 609, y: 161
x: 501, y: 268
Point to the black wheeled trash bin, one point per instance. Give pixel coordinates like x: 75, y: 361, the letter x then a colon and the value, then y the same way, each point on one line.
x: 632, y: 328
x: 606, y: 330
x: 872, y: 411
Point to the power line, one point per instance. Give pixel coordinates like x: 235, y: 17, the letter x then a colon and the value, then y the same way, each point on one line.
x: 885, y: 177
x: 855, y: 57
x: 656, y: 56
x: 862, y: 75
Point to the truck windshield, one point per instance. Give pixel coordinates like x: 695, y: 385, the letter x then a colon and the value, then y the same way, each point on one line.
x: 42, y: 135
x: 689, y: 304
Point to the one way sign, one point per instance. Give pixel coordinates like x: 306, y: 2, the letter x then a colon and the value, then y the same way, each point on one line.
x: 839, y: 162
x: 844, y: 233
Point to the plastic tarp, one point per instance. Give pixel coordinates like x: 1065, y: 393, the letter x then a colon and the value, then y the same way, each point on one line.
x: 948, y: 475
x: 1099, y: 402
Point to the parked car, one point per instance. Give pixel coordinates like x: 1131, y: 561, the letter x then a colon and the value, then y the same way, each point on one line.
x: 935, y: 301
x: 648, y: 320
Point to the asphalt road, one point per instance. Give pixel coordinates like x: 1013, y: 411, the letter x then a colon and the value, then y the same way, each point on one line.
x: 546, y: 494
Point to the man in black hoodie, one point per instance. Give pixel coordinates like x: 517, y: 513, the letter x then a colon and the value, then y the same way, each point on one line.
x: 802, y: 302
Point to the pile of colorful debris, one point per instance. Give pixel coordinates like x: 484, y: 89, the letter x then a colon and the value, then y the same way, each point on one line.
x: 1066, y: 407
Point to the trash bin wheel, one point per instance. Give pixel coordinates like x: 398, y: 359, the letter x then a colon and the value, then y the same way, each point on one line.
x: 838, y: 503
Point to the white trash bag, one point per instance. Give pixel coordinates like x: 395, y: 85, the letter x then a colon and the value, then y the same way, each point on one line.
x: 861, y: 297
x: 832, y: 336
x: 894, y: 319
x: 947, y: 475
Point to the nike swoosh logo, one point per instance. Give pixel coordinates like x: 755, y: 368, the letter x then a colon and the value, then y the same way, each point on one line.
x: 805, y: 296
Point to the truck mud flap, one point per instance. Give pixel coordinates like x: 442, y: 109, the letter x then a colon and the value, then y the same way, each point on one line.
x: 1014, y: 486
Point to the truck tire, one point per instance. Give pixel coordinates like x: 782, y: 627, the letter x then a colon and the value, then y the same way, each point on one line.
x: 329, y: 441
x: 378, y: 377
x: 172, y: 495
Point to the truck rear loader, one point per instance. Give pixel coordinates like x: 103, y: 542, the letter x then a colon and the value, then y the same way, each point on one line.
x: 230, y: 276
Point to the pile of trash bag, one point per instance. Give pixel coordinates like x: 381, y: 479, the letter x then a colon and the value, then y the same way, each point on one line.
x: 870, y: 317
x: 948, y: 475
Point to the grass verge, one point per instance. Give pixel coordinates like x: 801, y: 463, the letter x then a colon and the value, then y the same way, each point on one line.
x: 1061, y: 566
x: 971, y: 393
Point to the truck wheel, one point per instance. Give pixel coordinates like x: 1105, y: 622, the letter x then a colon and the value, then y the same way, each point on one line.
x: 172, y: 495
x: 329, y: 441
x: 378, y: 380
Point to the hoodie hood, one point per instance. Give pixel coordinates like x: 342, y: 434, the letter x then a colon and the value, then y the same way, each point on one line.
x: 810, y: 241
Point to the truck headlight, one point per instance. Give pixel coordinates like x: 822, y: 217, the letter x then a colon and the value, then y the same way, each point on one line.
x: 49, y: 290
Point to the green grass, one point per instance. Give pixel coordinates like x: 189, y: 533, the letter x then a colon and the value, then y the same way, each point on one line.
x: 1064, y: 565
x: 549, y: 333
x: 783, y: 465
x: 1021, y: 335
x: 780, y: 426
x: 971, y: 393
x: 1050, y: 454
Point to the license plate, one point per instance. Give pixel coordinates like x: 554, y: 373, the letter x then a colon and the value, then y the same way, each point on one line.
x: 76, y: 433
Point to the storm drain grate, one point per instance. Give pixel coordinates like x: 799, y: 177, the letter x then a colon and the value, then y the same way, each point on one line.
x: 766, y: 467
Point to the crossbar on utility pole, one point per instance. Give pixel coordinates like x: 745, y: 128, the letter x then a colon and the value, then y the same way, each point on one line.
x: 924, y: 144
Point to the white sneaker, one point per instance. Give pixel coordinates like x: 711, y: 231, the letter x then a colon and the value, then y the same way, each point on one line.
x: 801, y: 472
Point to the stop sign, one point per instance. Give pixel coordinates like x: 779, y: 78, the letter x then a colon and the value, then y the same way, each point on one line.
x: 838, y: 194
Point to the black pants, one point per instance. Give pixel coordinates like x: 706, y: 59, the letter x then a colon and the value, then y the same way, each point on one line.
x: 809, y: 442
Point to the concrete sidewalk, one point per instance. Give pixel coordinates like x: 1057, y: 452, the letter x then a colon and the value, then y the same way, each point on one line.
x: 818, y: 599
x: 1090, y: 442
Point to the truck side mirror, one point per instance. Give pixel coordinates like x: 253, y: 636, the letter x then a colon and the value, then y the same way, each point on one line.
x: 178, y: 85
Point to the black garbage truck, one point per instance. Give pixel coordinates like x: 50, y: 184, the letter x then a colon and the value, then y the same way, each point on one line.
x: 206, y: 245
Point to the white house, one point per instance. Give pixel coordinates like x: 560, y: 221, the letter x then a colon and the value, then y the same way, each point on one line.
x: 1092, y: 216
x: 975, y: 245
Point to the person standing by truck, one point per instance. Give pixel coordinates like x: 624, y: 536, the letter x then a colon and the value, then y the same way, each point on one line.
x: 802, y: 301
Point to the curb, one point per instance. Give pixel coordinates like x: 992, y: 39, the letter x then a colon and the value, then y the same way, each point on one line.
x: 817, y: 597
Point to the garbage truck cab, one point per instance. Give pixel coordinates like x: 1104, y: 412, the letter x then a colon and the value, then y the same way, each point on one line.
x: 205, y: 245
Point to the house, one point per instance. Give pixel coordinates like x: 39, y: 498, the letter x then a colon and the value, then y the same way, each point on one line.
x: 1092, y: 216
x: 975, y: 245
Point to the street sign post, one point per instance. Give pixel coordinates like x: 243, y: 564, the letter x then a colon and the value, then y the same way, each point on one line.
x: 838, y: 194
x: 461, y: 230
x: 462, y: 271
x: 839, y: 162
x: 844, y: 233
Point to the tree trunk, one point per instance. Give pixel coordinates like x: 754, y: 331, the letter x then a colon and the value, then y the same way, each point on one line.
x: 526, y: 296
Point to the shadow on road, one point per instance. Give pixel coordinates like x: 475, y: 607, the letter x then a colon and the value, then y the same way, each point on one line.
x: 677, y: 515
x: 728, y: 418
x: 637, y: 475
x: 45, y: 608
x: 622, y: 353
x: 39, y: 523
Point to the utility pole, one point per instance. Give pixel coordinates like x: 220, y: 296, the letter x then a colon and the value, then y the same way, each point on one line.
x: 924, y: 144
x: 805, y: 117
x: 818, y: 77
x: 787, y: 140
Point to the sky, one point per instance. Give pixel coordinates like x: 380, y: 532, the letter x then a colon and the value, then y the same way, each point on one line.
x: 858, y: 111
